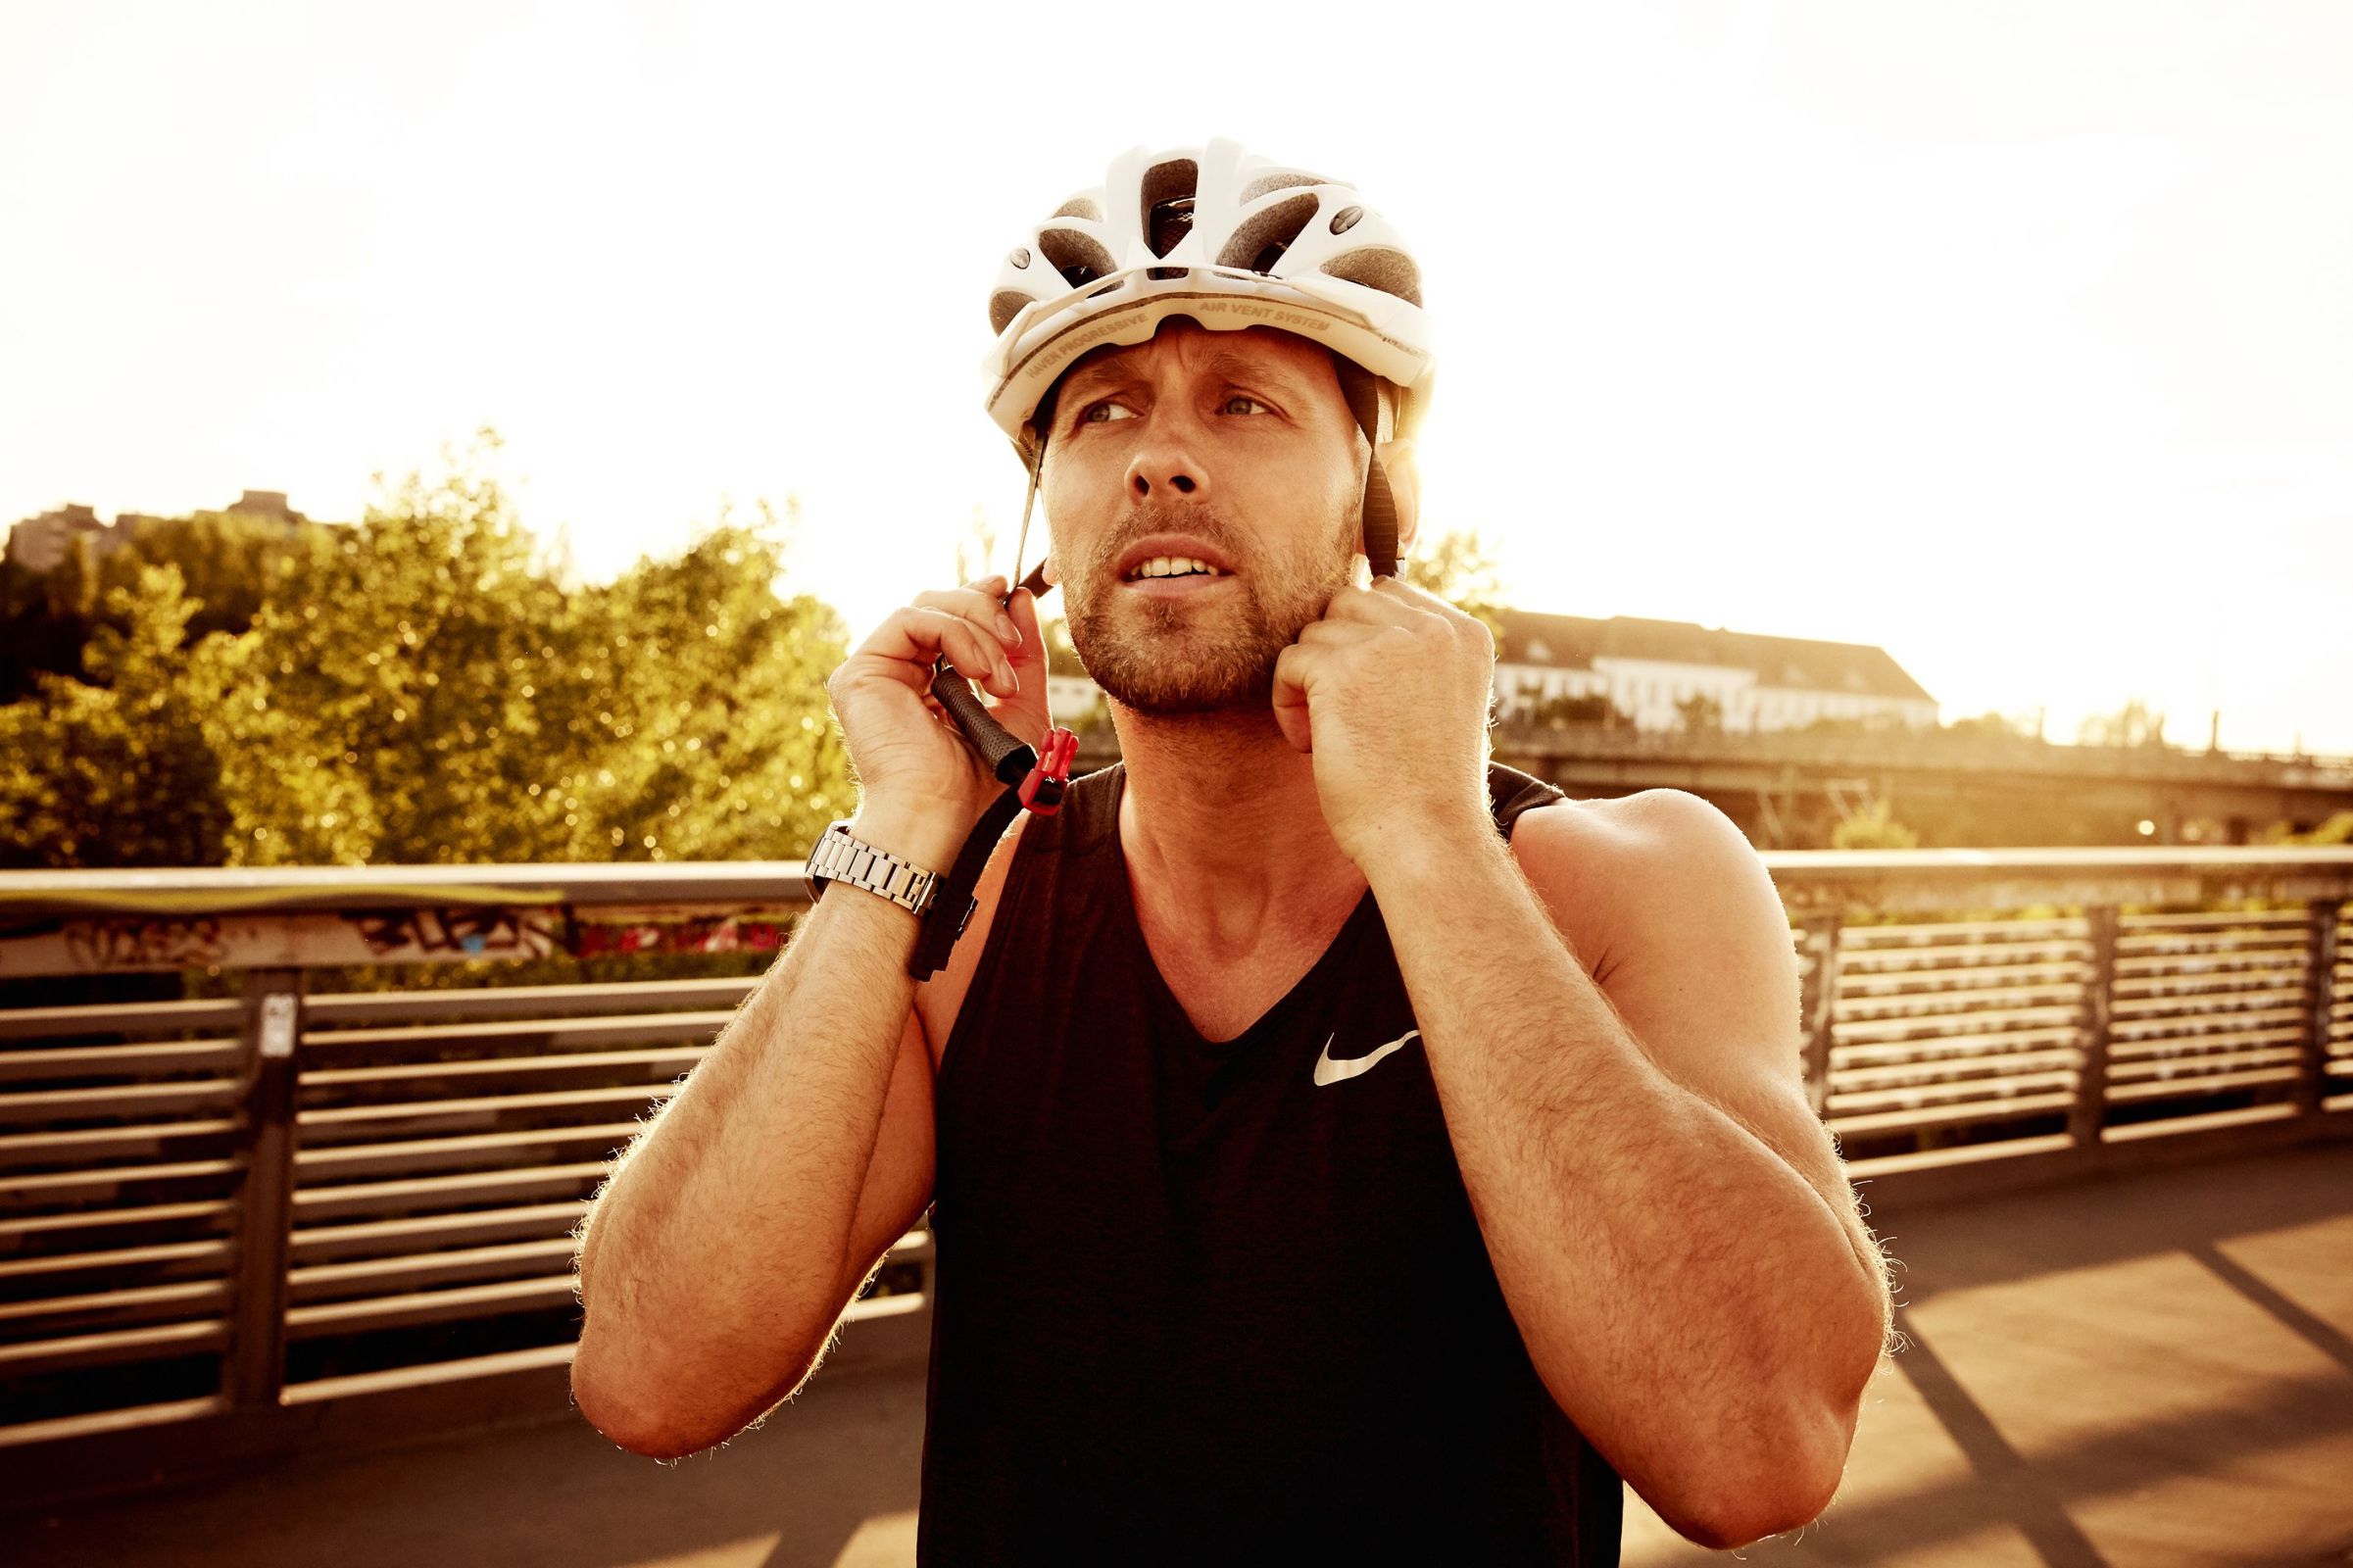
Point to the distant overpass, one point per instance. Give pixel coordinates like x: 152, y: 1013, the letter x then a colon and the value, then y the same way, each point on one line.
x: 1770, y: 781
x: 1777, y: 784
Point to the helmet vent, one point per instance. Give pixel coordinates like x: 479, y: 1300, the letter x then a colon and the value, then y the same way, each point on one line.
x: 1161, y: 275
x: 1283, y: 182
x: 1392, y: 272
x: 1078, y: 258
x: 1004, y: 305
x: 1346, y: 219
x: 1080, y: 206
x: 1259, y: 243
x: 1167, y: 198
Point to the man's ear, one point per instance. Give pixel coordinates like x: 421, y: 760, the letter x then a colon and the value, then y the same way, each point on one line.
x: 1400, y: 460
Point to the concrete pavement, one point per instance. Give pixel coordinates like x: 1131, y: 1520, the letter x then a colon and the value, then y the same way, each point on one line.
x: 2147, y: 1371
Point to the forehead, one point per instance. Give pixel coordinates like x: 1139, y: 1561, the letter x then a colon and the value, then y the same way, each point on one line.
x: 1183, y: 344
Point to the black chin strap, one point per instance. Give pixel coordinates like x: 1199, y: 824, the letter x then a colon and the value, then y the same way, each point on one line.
x: 1366, y: 402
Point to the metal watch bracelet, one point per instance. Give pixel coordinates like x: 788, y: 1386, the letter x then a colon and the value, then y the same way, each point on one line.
x: 838, y: 856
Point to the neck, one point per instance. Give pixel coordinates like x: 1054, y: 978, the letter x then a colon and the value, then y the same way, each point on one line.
x: 1221, y: 823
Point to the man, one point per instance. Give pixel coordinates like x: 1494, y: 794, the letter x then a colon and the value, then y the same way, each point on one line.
x: 1340, y: 1144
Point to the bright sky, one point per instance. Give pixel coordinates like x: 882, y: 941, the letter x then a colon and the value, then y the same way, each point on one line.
x: 2014, y: 337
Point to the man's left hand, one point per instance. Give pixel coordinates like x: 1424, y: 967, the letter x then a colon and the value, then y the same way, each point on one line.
x: 1390, y: 693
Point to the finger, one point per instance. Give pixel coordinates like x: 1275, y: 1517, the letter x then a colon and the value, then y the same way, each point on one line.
x: 1294, y: 668
x: 1339, y: 633
x: 1369, y: 606
x: 977, y: 606
x: 915, y: 638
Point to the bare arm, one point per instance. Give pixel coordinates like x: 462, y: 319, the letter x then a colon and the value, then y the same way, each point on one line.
x: 1706, y: 1311
x: 716, y: 1262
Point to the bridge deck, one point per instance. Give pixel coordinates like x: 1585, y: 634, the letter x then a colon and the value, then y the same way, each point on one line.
x: 2154, y: 1370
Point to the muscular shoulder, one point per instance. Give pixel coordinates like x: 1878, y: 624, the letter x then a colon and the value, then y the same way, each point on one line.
x: 1616, y: 874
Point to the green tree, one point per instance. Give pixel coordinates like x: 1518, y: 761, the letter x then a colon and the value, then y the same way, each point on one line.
x: 115, y: 771
x: 1700, y: 714
x: 423, y: 688
x: 1873, y: 827
x: 1459, y: 567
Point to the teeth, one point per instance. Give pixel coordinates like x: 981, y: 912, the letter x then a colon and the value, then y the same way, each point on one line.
x: 1175, y: 566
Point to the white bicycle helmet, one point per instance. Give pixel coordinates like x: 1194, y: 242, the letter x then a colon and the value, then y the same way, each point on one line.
x: 1231, y: 240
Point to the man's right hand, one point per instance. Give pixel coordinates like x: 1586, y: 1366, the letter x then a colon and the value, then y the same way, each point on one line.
x: 921, y: 787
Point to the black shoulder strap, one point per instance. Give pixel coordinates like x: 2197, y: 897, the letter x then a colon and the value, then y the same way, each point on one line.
x: 1512, y: 793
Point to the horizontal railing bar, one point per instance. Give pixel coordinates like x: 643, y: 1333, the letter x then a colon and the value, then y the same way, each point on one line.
x: 323, y: 1319
x: 2180, y: 1068
x: 490, y: 1104
x: 416, y: 1271
x: 1874, y: 938
x: 2205, y: 1001
x: 410, y: 1154
x: 18, y: 1228
x: 30, y: 1106
x: 1940, y: 1003
x: 139, y: 1300
x: 780, y: 884
x: 1968, y: 977
x: 374, y: 1197
x: 2293, y: 919
x: 1949, y: 1069
x: 2133, y: 1132
x: 108, y: 1061
x: 2178, y: 1048
x: 597, y: 999
x: 1962, y: 1092
x: 542, y: 1032
x: 148, y: 1342
x: 203, y: 1251
x: 2205, y: 983
x: 2147, y: 1029
x: 2231, y: 944
x: 1845, y: 1030
x: 351, y: 1384
x: 1937, y: 1048
x: 317, y: 1243
x: 1987, y: 955
x: 1998, y: 1111
x: 68, y: 1181
x: 100, y: 1143
x: 119, y: 1017
x: 59, y: 1429
x: 502, y: 1066
x: 2198, y: 1084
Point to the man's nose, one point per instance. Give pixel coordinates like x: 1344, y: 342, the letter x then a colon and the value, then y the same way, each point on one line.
x: 1166, y: 467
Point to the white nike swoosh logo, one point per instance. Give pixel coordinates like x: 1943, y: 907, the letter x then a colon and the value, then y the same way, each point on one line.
x: 1328, y: 1071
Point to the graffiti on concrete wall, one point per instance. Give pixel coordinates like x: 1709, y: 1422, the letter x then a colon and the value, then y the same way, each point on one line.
x: 120, y: 944
x: 412, y: 936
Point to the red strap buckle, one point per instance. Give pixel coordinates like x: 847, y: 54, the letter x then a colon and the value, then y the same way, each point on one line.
x: 1042, y: 791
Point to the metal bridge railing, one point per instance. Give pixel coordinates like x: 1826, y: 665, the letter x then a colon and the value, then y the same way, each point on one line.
x: 292, y: 1193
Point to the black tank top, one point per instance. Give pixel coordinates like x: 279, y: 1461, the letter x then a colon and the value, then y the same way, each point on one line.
x: 1206, y: 1302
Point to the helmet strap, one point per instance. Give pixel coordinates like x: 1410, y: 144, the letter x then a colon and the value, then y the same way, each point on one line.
x: 1367, y: 399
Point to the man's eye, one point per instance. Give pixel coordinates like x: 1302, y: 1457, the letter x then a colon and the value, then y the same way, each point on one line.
x: 1102, y: 412
x: 1240, y: 397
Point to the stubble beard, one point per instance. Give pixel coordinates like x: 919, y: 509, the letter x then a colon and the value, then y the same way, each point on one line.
x: 1168, y: 656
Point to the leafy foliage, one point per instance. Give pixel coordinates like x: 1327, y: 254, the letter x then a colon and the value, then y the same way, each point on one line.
x: 1873, y: 827
x: 424, y: 689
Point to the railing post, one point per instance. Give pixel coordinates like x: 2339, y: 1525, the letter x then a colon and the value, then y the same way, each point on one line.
x: 2312, y: 1075
x: 2091, y: 1112
x: 255, y: 1370
x: 1820, y: 998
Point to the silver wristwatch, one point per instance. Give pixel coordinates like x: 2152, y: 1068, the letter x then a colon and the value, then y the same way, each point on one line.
x: 838, y: 857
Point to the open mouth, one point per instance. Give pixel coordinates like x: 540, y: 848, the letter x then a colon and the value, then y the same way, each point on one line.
x: 1165, y: 576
